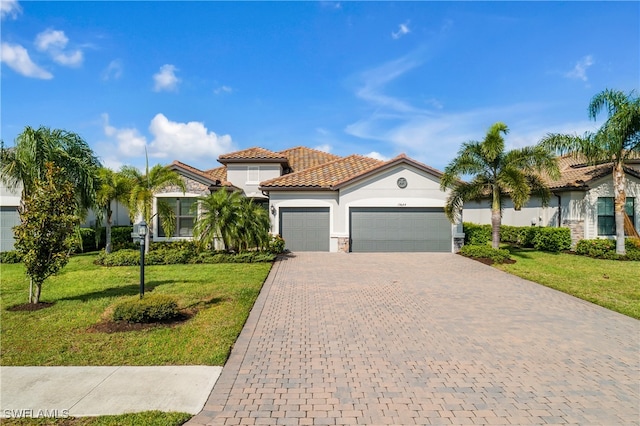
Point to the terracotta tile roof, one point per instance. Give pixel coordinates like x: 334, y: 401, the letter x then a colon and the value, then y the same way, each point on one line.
x: 302, y: 158
x: 210, y: 175
x: 252, y: 154
x: 324, y: 176
x: 576, y: 173
x: 218, y: 173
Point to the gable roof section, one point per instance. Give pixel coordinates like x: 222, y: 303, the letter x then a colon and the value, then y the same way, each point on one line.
x: 207, y: 178
x: 253, y: 155
x: 323, y: 176
x: 402, y: 158
x: 302, y: 158
x: 576, y: 174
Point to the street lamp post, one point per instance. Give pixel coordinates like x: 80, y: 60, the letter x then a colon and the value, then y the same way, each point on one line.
x: 142, y: 233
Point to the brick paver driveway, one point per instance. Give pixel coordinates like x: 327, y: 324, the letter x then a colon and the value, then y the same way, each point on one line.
x: 424, y: 339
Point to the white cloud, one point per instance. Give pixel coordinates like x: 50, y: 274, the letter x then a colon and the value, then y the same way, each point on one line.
x: 325, y: 147
x: 377, y: 156
x: 403, y: 29
x: 189, y: 142
x: 54, y: 43
x: 17, y: 58
x: 580, y: 70
x: 223, y: 89
x: 9, y: 8
x: 166, y: 79
x: 113, y: 70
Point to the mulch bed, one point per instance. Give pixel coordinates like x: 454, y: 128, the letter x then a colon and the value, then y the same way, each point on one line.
x: 29, y: 307
x: 109, y: 326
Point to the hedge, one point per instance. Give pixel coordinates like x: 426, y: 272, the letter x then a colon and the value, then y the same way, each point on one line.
x: 606, y: 249
x: 485, y: 251
x: 540, y: 238
x: 151, y: 308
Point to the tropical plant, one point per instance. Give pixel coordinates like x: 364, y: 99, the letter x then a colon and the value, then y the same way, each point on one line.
x: 143, y: 190
x: 218, y: 219
x: 496, y: 174
x: 253, y: 226
x: 113, y: 186
x: 25, y: 163
x: 45, y: 234
x: 617, y: 140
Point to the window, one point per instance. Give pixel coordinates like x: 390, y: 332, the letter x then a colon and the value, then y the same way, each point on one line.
x: 606, y: 214
x: 185, y: 216
x: 253, y: 174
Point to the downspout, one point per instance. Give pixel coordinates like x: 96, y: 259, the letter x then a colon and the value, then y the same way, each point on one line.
x: 559, y: 210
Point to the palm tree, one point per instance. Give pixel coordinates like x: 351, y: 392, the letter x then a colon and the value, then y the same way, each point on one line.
x: 253, y: 225
x: 497, y: 174
x: 219, y: 218
x: 24, y: 164
x: 614, y: 142
x: 113, y: 186
x: 143, y: 189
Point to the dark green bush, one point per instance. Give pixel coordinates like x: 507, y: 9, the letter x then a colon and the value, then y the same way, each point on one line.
x: 485, y: 251
x: 151, y: 308
x: 11, y: 256
x: 521, y: 236
x: 606, y: 249
x: 476, y: 234
x: 120, y: 237
x: 276, y: 244
x: 552, y: 239
x: 124, y: 257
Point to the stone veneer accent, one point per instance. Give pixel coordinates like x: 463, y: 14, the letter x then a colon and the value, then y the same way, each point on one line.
x: 577, y: 231
x: 192, y: 186
x: 343, y: 244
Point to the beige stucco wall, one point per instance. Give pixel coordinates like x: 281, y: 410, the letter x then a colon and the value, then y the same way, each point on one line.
x: 238, y: 174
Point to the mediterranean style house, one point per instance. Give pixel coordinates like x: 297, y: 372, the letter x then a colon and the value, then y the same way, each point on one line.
x: 582, y: 201
x: 319, y: 201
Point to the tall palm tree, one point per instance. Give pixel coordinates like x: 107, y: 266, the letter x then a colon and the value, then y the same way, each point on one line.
x: 497, y: 174
x: 113, y: 186
x: 219, y: 218
x: 614, y: 142
x: 143, y: 189
x: 24, y: 164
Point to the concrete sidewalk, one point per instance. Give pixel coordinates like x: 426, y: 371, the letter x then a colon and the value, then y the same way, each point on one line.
x: 95, y: 391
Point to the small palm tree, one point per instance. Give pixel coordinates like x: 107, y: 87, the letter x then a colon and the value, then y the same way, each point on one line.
x: 614, y: 142
x: 113, y: 186
x: 253, y: 225
x: 498, y: 175
x: 143, y: 190
x: 218, y: 218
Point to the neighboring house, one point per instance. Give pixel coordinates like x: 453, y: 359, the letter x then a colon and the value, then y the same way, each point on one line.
x: 9, y: 217
x: 582, y: 201
x: 323, y: 202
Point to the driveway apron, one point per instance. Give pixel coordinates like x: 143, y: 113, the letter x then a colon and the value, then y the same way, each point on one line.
x: 423, y: 338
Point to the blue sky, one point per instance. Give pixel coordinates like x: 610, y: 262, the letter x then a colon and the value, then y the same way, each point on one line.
x: 193, y: 80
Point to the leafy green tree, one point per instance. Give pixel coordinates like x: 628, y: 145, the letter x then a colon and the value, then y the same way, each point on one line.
x: 113, y: 186
x: 615, y: 142
x: 497, y: 174
x: 143, y: 189
x: 219, y: 218
x: 45, y: 236
x: 25, y: 163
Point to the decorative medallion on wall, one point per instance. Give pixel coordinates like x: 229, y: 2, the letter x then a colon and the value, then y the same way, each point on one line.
x: 402, y: 183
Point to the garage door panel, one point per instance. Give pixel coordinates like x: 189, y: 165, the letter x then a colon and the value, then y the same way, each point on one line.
x: 305, y: 228
x: 399, y: 230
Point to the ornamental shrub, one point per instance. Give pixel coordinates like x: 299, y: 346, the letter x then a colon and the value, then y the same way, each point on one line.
x: 485, y: 251
x: 151, y: 308
x: 595, y: 248
x: 475, y: 234
x: 521, y: 236
x: 11, y: 256
x: 276, y: 244
x: 552, y: 239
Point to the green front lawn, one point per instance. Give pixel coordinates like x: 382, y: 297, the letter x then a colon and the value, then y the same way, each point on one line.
x: 609, y: 283
x: 147, y: 418
x: 82, y: 294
